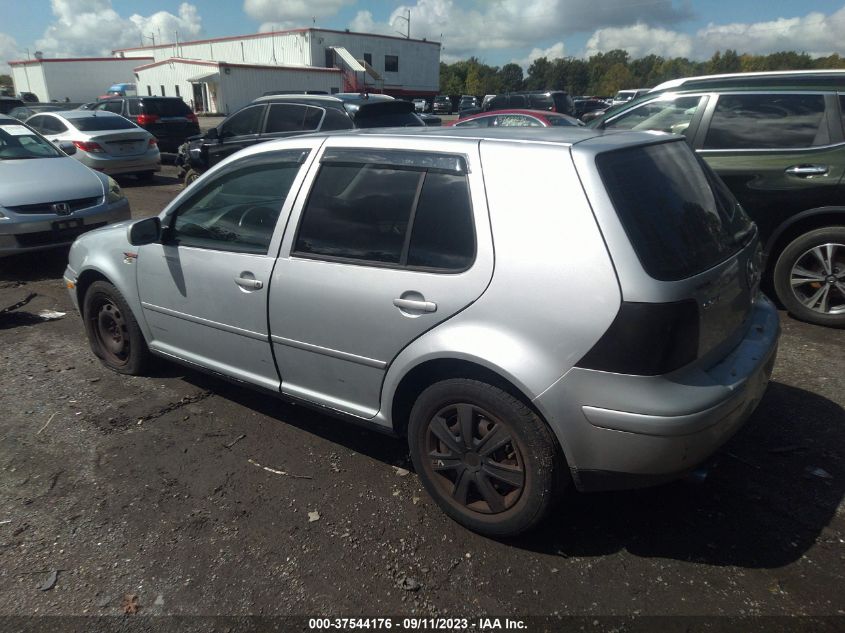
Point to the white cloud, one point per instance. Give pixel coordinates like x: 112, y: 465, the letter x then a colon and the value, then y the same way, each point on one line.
x: 640, y: 40
x: 815, y: 33
x: 9, y: 51
x: 503, y: 24
x: 93, y: 28
x: 555, y: 51
x: 287, y: 11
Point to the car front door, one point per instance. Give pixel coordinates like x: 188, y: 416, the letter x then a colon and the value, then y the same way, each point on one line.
x: 240, y: 130
x: 673, y: 114
x: 779, y: 153
x: 387, y: 244
x: 204, y: 288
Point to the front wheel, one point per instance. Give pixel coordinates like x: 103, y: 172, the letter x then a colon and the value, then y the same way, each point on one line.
x: 486, y: 458
x: 113, y: 333
x: 809, y: 277
x: 190, y: 176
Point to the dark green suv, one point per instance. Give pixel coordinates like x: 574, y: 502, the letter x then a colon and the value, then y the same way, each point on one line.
x: 777, y: 141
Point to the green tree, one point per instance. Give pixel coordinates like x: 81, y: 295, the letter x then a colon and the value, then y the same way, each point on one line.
x: 537, y: 72
x: 511, y: 77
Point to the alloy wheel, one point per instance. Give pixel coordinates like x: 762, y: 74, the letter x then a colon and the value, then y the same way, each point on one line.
x: 818, y: 278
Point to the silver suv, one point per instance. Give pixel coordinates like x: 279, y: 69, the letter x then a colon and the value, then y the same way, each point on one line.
x: 592, y: 320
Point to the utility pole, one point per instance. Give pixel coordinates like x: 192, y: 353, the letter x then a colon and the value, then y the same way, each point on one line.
x: 408, y: 20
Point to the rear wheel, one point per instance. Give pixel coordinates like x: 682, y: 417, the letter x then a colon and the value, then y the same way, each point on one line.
x: 113, y: 332
x: 486, y: 458
x: 809, y: 276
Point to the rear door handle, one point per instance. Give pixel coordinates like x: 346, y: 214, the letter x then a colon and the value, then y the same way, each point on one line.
x: 249, y: 284
x: 807, y: 170
x: 414, y: 305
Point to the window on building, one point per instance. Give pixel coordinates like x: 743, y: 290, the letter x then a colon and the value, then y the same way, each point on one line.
x: 163, y: 94
x: 391, y: 63
x: 368, y: 57
x: 178, y: 94
x: 149, y: 91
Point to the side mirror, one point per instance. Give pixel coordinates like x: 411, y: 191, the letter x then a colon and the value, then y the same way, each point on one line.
x: 212, y: 134
x: 68, y: 147
x: 146, y: 231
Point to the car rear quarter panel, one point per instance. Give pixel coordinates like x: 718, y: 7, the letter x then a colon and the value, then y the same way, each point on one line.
x: 553, y: 291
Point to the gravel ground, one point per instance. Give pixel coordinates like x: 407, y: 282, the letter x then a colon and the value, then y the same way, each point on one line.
x: 155, y: 487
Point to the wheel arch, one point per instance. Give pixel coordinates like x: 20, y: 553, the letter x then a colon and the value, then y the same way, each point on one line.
x: 84, y: 281
x: 797, y: 225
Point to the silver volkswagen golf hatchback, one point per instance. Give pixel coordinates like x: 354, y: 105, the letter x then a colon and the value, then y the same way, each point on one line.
x: 532, y: 309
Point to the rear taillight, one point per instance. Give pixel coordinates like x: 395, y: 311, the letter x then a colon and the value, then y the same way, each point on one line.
x: 647, y: 339
x: 192, y: 118
x: 147, y: 119
x: 88, y: 146
x: 153, y: 142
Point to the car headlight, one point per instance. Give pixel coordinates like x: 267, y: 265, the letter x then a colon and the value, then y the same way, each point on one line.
x: 114, y: 194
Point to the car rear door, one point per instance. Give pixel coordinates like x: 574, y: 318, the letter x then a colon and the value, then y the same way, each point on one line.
x: 387, y: 240
x: 203, y: 288
x: 780, y: 153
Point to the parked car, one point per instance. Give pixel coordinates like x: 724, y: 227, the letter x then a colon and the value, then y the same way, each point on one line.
x: 781, y: 151
x: 582, y: 107
x: 614, y: 337
x: 550, y: 100
x: 7, y: 104
x: 624, y: 96
x: 278, y: 116
x: 47, y: 198
x: 169, y: 119
x: 468, y: 102
x: 517, y: 118
x: 420, y: 105
x: 442, y: 105
x: 23, y: 113
x: 104, y: 141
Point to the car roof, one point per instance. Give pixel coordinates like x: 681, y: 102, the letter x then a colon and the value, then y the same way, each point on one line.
x: 298, y: 97
x: 771, y: 79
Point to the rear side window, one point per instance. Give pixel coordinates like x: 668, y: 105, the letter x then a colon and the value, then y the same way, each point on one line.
x: 113, y: 106
x: 166, y: 107
x: 336, y: 120
x: 768, y: 121
x: 665, y: 199
x: 388, y: 214
x: 285, y: 117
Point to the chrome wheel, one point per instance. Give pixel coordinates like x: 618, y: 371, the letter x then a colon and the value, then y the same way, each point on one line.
x: 818, y: 278
x: 475, y: 459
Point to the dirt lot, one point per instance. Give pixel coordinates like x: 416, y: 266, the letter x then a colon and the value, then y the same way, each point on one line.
x: 154, y: 487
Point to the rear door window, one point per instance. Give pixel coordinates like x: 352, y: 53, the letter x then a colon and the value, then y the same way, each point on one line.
x: 113, y: 106
x: 768, y: 121
x: 400, y: 215
x: 285, y: 117
x: 678, y: 218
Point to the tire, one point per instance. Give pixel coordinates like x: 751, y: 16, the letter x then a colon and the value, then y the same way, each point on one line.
x: 468, y: 484
x: 113, y: 331
x: 816, y: 261
x: 190, y: 176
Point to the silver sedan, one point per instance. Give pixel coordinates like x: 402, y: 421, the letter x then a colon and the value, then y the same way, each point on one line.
x: 105, y: 142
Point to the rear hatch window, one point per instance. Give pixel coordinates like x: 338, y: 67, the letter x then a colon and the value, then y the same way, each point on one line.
x: 166, y: 107
x: 101, y: 123
x: 678, y: 216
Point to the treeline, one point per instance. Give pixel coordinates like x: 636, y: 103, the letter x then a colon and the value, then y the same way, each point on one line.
x: 605, y: 73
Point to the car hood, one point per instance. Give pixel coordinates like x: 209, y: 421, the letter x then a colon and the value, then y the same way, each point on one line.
x: 37, y: 180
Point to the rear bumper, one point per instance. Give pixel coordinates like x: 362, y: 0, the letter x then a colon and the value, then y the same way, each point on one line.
x: 38, y: 232
x: 148, y: 161
x: 622, y: 431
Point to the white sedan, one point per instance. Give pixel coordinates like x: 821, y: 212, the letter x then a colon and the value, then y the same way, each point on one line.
x: 105, y: 142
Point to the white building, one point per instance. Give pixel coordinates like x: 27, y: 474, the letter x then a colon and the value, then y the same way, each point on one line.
x: 379, y: 63
x: 76, y: 79
x: 221, y: 87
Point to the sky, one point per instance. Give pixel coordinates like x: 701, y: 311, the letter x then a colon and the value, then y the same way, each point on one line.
x: 495, y: 31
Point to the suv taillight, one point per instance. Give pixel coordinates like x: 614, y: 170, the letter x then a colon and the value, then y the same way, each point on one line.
x: 647, y: 339
x: 192, y: 118
x: 147, y: 119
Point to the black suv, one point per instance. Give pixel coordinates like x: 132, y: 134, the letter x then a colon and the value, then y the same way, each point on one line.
x: 279, y: 116
x: 7, y: 104
x: 551, y: 100
x: 781, y: 150
x: 169, y: 119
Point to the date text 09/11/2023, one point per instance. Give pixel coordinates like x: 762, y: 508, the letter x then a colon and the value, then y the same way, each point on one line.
x: 417, y: 624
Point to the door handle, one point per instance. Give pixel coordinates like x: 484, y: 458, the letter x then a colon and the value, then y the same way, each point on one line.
x: 807, y: 170
x: 414, y: 305
x: 249, y: 284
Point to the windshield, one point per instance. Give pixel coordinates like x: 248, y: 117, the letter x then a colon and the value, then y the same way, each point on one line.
x: 18, y: 142
x: 680, y: 218
x: 100, y: 123
x: 165, y: 107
